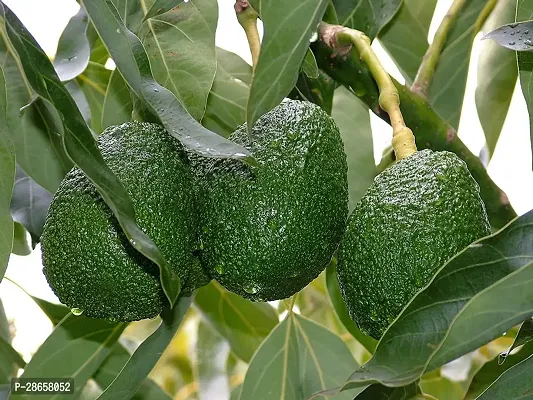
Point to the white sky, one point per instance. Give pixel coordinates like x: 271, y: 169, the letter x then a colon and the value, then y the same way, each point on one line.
x: 510, y: 166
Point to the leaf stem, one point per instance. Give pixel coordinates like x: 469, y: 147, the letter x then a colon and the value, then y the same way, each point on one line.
x: 431, y: 58
x: 247, y: 17
x: 403, y: 140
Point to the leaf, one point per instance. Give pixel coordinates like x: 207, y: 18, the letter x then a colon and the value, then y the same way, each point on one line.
x: 40, y: 154
x: 117, y: 105
x: 79, y: 98
x: 82, y: 148
x: 493, y: 369
x: 131, y: 12
x: 389, y: 393
x: 515, y: 383
x: 29, y: 204
x: 242, y: 323
x: 21, y: 247
x: 55, y: 312
x: 76, y: 348
x: 446, y: 91
x: 298, y: 358
x: 7, y: 180
x: 480, y: 293
x: 234, y: 65
x: 524, y: 335
x: 335, y: 296
x: 10, y: 360
x: 181, y: 47
x: 93, y: 81
x: 353, y: 119
x: 73, y: 49
x: 309, y: 67
x: 496, y: 77
x: 133, y: 374
x: 369, y: 16
x: 405, y: 37
x: 212, y: 356
x: 513, y: 36
x: 319, y: 91
x: 134, y: 65
x: 288, y: 29
x: 524, y: 10
x: 160, y: 7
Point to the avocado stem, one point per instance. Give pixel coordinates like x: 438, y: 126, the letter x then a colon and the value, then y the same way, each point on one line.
x: 431, y: 58
x: 403, y: 140
x: 247, y: 17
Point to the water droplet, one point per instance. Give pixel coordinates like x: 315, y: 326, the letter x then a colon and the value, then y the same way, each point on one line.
x: 512, y: 33
x: 118, y: 30
x: 502, y: 357
x: 72, y: 58
x: 76, y: 311
x: 528, y: 42
x: 314, y: 37
x: 518, y: 31
x: 133, y: 242
x: 511, y: 43
x: 156, y: 90
x: 526, y: 31
x: 251, y: 289
x: 220, y: 269
x: 513, y: 25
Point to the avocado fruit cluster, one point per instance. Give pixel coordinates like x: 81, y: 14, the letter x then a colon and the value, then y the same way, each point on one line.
x: 415, y: 216
x: 264, y: 232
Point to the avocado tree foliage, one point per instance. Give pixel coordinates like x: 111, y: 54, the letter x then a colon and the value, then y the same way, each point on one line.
x: 215, y: 344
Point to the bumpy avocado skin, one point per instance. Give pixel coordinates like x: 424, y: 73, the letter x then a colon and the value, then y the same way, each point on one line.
x: 88, y: 260
x: 416, y: 215
x: 267, y: 232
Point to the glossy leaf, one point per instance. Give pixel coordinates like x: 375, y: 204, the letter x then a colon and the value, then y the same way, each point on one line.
x: 133, y: 63
x: 447, y: 90
x: 289, y: 26
x: 524, y: 11
x: 368, y: 16
x: 405, y: 37
x: 496, y: 77
x: 234, y: 65
x: 94, y: 81
x: 524, y: 335
x: 77, y: 94
x: 242, y: 323
x: 82, y: 148
x: 297, y: 359
x: 76, y: 348
x: 160, y: 7
x: 29, y: 204
x: 135, y: 371
x: 21, y: 247
x: 131, y: 12
x: 342, y: 312
x: 117, y: 105
x: 73, y: 49
x: 480, y: 293
x: 515, y: 383
x: 319, y: 90
x: 309, y: 67
x: 212, y: 356
x: 353, y: 119
x: 55, y: 312
x: 513, y: 36
x: 389, y: 393
x: 7, y: 180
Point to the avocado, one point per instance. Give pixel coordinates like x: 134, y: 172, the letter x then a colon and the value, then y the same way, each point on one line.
x: 88, y: 261
x: 267, y: 231
x: 415, y: 216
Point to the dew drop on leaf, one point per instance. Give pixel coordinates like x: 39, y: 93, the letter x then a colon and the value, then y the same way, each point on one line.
x: 76, y: 311
x: 511, y: 43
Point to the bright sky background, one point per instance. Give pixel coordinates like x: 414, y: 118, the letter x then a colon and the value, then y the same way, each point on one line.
x: 510, y: 166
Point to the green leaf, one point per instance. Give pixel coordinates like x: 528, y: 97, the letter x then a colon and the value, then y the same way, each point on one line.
x: 368, y: 16
x: 131, y: 12
x: 496, y: 77
x: 82, y: 148
x: 524, y: 335
x: 480, y: 293
x: 94, y: 81
x: 133, y: 63
x: 242, y: 323
x: 389, y: 393
x: 55, y: 312
x: 76, y: 348
x: 212, y: 356
x: 21, y: 247
x: 353, y: 119
x: 493, y: 369
x: 117, y: 105
x: 7, y: 180
x: 234, y: 65
x: 181, y: 47
x: 524, y: 10
x: 515, y: 383
x: 10, y: 361
x: 335, y: 296
x: 512, y: 36
x: 79, y: 98
x: 405, y: 37
x: 297, y: 359
x: 29, y: 204
x: 289, y: 26
x: 134, y: 372
x: 319, y: 91
x: 309, y: 67
x: 160, y: 7
x: 40, y: 154
x: 447, y: 90
x: 73, y: 48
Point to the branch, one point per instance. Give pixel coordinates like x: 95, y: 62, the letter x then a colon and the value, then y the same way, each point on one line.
x: 247, y: 17
x: 430, y: 130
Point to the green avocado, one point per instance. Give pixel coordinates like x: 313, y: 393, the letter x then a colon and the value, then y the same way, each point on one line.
x: 267, y: 231
x: 88, y: 261
x: 415, y: 216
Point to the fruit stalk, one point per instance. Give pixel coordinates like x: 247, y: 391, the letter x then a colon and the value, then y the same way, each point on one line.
x: 247, y: 17
x: 403, y: 140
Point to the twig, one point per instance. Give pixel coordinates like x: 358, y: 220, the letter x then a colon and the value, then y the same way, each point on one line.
x: 431, y: 58
x: 247, y: 17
